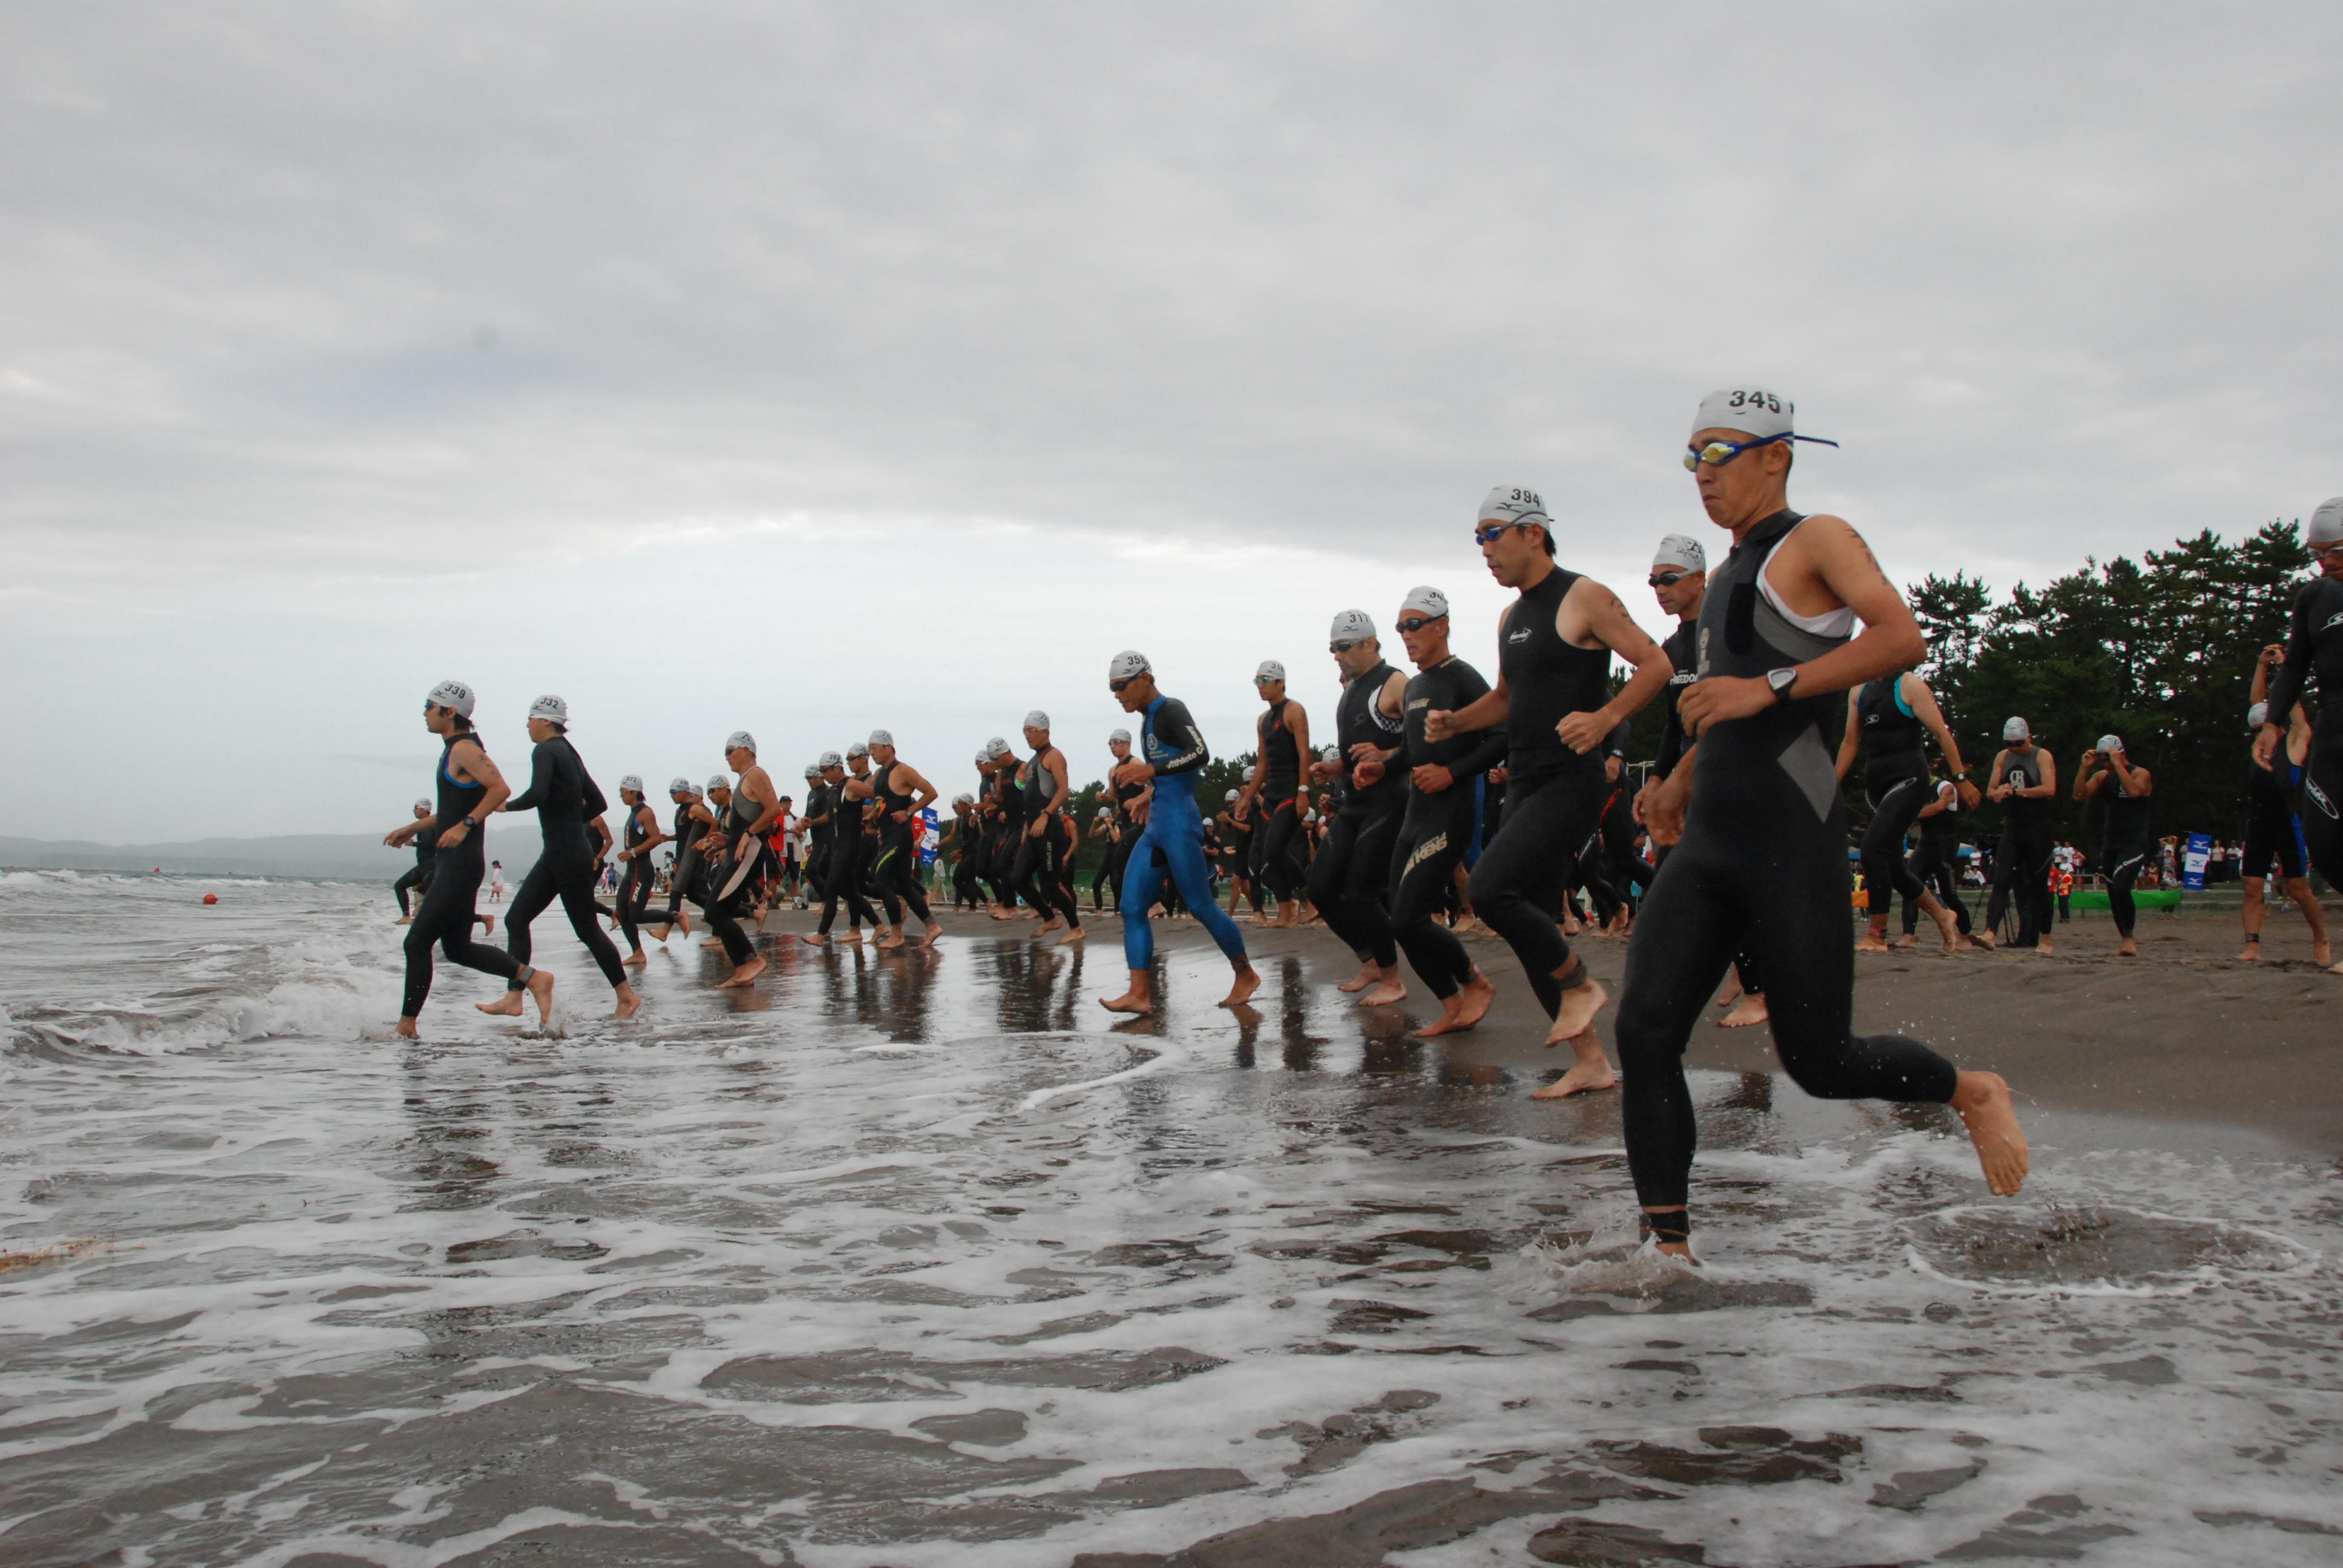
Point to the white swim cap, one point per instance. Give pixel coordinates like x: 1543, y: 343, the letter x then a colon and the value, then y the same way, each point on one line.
x: 1330, y: 754
x: 425, y: 804
x: 830, y: 759
x: 1126, y: 664
x: 2016, y: 731
x: 2108, y: 743
x: 1681, y: 551
x: 718, y: 781
x: 741, y: 740
x: 680, y: 787
x: 1268, y: 669
x: 856, y: 750
x: 1119, y: 737
x: 1751, y: 411
x: 1037, y: 719
x: 1104, y: 813
x: 1424, y: 600
x: 881, y: 738
x: 453, y: 695
x: 995, y: 749
x: 1513, y: 504
x: 2326, y: 529
x: 963, y: 800
x: 632, y: 782
x: 552, y: 709
x: 1353, y: 624
x: 1233, y: 795
x: 813, y: 771
x: 2256, y: 716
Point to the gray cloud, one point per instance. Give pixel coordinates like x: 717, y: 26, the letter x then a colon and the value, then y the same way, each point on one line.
x: 307, y: 296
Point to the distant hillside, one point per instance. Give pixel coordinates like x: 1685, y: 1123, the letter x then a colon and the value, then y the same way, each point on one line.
x: 353, y: 857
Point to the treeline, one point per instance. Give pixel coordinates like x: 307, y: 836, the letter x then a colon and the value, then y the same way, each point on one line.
x: 2159, y: 651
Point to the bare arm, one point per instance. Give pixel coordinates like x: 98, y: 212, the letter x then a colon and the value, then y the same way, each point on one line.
x: 1297, y: 719
x: 1833, y: 563
x: 1598, y: 614
x: 2048, y: 789
x: 1851, y: 741
x: 758, y: 786
x: 922, y: 793
x: 1923, y: 703
x: 472, y: 764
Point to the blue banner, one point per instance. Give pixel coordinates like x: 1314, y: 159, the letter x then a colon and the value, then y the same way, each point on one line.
x: 929, y: 838
x: 2192, y: 872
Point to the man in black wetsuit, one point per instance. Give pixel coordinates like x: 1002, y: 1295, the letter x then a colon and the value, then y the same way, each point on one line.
x: 842, y: 831
x: 470, y: 789
x: 1886, y: 718
x: 736, y: 846
x: 902, y: 796
x: 1760, y: 858
x: 643, y: 835
x: 1274, y: 798
x: 2314, y: 649
x: 2107, y: 774
x: 1043, y: 847
x: 1125, y: 831
x: 692, y: 819
x: 1436, y: 822
x: 1554, y: 666
x: 1349, y: 879
x: 966, y: 830
x: 1935, y: 863
x: 2273, y: 832
x: 417, y: 876
x: 2024, y: 783
x: 568, y: 802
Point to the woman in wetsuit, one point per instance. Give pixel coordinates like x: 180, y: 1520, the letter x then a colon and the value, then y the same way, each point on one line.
x: 1886, y: 718
x: 635, y: 878
x: 569, y: 805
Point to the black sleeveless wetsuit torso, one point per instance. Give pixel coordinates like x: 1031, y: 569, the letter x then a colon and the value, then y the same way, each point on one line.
x: 2314, y: 655
x: 1435, y: 827
x: 1349, y: 882
x: 446, y: 914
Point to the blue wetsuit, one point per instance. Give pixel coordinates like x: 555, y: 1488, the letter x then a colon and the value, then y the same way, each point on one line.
x: 1174, y: 840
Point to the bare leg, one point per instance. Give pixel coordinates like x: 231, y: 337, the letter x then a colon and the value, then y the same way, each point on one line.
x: 1074, y: 934
x: 1982, y: 1100
x: 636, y: 960
x: 1875, y: 938
x: 891, y: 940
x: 1589, y: 1071
x: 509, y: 1005
x: 746, y: 974
x: 1369, y: 973
x: 630, y: 1002
x: 1139, y: 999
x: 813, y: 938
x: 1393, y: 989
x: 1248, y: 980
x: 1748, y: 1009
x: 934, y: 931
x: 2313, y: 915
x: 1946, y: 927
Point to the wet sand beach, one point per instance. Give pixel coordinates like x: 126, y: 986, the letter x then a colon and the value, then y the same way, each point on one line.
x: 905, y: 1260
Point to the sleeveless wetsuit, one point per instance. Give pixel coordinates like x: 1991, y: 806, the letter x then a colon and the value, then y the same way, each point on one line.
x: 1172, y: 847
x: 635, y: 881
x: 1277, y: 861
x: 447, y: 913
x: 2124, y: 848
x: 1935, y: 864
x: 2314, y: 649
x: 1554, y: 795
x: 565, y: 798
x: 1435, y: 825
x: 1349, y: 879
x: 841, y: 876
x: 1683, y: 649
x: 2021, y: 863
x: 1895, y: 781
x: 1762, y: 862
x: 1035, y: 872
x: 897, y: 868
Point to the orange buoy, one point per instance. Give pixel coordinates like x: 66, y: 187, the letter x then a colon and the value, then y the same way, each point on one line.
x: 211, y: 898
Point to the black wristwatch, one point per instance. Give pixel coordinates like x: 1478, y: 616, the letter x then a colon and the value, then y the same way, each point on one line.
x: 1781, y: 681
x: 469, y: 822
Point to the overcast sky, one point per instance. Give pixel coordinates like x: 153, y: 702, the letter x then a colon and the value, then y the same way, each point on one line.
x: 809, y: 368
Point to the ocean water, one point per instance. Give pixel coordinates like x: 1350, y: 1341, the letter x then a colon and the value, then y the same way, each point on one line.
x: 916, y: 1261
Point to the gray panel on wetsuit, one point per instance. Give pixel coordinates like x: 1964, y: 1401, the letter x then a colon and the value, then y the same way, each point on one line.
x: 1808, y: 763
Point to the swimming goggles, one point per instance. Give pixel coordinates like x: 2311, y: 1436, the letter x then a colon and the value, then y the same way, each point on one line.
x: 1717, y: 454
x: 1665, y: 579
x: 1344, y: 646
x: 1482, y: 534
x: 1416, y: 623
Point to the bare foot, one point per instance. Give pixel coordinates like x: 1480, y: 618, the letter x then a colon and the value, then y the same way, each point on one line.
x: 658, y: 933
x: 487, y: 925
x: 1749, y: 1007
x: 404, y: 1028
x: 2322, y: 954
x: 540, y: 990
x: 2252, y: 955
x: 1579, y: 1003
x: 711, y: 942
x: 1730, y: 994
x: 2043, y: 950
x: 404, y: 920
x: 1046, y: 927
x: 745, y: 975
x: 1873, y: 943
x: 1588, y: 1073
x: 891, y: 940
x: 1369, y: 973
x: 2127, y: 949
x: 1075, y: 934
x: 630, y: 1002
x: 1981, y: 937
x: 1248, y: 980
x: 1982, y: 1100
x: 934, y: 931
x: 1908, y: 940
x: 683, y: 922
x: 1452, y: 1008
x: 1465, y: 926
x: 1393, y: 989
x: 853, y: 934
x: 814, y: 939
x: 509, y: 1005
x: 1003, y: 915
x: 636, y: 960
x: 1139, y: 999
x: 1479, y: 992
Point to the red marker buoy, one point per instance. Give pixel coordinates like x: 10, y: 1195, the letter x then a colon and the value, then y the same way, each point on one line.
x: 211, y: 898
